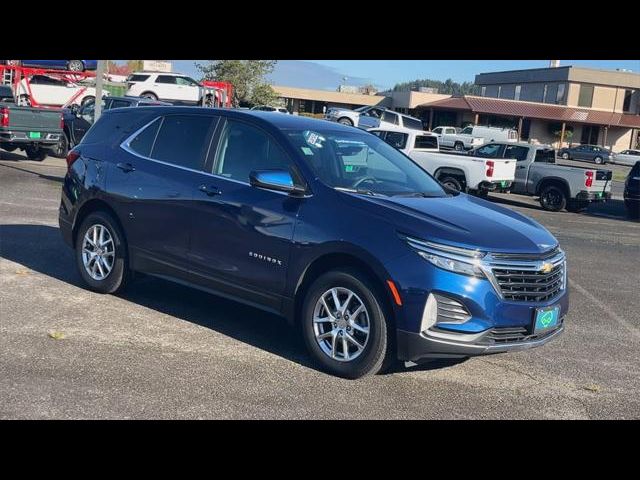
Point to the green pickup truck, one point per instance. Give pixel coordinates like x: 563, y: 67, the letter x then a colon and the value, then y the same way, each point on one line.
x: 34, y: 130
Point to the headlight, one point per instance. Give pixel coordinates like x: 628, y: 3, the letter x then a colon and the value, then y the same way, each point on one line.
x: 454, y: 259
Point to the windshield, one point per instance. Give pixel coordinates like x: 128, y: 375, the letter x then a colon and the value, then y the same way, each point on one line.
x: 361, y: 162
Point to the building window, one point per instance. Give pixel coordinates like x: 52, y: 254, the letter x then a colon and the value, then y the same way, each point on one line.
x: 499, y: 91
x: 585, y: 98
x: 483, y: 91
x: 544, y: 93
x: 626, y: 106
x: 560, y: 94
x: 517, y: 94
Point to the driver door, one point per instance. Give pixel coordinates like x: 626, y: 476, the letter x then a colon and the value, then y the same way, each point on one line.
x: 371, y: 118
x: 187, y: 90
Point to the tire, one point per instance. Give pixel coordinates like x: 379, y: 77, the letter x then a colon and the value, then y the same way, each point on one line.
x: 458, y: 147
x: 149, y: 95
x: 115, y: 279
x: 24, y: 100
x: 367, y: 360
x: 62, y: 147
x: 565, y: 156
x: 87, y: 99
x: 345, y: 121
x: 482, y: 193
x: 553, y: 198
x: 451, y: 182
x: 36, y: 153
x: 598, y: 160
x: 75, y: 66
x: 576, y: 206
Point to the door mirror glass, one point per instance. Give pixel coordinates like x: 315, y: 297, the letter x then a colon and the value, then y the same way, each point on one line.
x: 279, y: 180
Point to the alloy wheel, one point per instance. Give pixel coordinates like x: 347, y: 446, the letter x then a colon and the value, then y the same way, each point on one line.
x: 98, y: 252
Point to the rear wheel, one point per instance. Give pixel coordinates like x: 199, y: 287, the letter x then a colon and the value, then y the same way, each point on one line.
x: 75, y: 65
x: 149, y: 95
x: 553, y: 198
x: 36, y: 153
x: 598, y: 160
x: 62, y: 147
x: 344, y: 325
x: 451, y: 182
x: 565, y: 156
x: 346, y: 121
x: 458, y: 147
x: 101, y: 255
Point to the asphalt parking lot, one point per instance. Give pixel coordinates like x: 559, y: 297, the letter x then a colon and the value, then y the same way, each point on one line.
x: 164, y: 351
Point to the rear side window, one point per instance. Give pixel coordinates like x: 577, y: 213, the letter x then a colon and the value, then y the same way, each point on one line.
x: 390, y: 118
x: 166, y: 79
x: 545, y: 156
x: 412, y: 123
x: 137, y: 78
x: 183, y: 140
x: 489, y: 151
x: 517, y: 152
x: 424, y: 141
x: 144, y: 141
x: 108, y: 125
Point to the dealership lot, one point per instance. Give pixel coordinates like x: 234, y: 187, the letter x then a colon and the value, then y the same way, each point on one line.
x: 165, y: 351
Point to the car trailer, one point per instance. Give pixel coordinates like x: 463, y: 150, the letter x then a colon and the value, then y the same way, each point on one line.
x: 13, y: 76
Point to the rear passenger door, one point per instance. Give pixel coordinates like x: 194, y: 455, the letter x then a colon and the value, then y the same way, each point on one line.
x: 242, y: 234
x: 152, y: 187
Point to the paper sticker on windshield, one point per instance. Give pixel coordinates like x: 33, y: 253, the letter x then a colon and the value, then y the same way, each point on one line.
x: 314, y: 139
x: 306, y: 151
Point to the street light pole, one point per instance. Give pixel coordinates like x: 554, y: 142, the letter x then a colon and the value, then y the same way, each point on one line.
x: 99, y: 81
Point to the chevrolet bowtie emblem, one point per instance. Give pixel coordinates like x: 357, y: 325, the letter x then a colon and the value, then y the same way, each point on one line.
x: 546, y: 267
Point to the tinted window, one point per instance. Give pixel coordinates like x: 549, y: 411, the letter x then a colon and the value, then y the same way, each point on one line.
x: 390, y: 117
x: 424, y: 141
x: 397, y: 139
x: 467, y: 130
x: 244, y: 148
x: 437, y: 130
x: 374, y: 112
x: 109, y: 125
x: 185, y: 81
x: 183, y: 140
x: 144, y: 141
x: 545, y: 156
x: 378, y: 133
x: 119, y: 104
x: 137, y: 78
x: 490, y: 151
x: 517, y: 152
x: 412, y: 123
x: 166, y: 79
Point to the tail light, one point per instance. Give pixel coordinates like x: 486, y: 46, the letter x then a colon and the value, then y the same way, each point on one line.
x: 589, y: 180
x: 4, y: 117
x: 490, y: 165
x: 72, y: 156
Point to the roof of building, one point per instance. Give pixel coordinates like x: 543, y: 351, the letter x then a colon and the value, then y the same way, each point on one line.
x: 329, y: 96
x: 515, y: 108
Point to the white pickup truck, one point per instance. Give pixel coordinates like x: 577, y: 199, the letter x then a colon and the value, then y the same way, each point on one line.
x: 463, y: 173
x: 451, y: 137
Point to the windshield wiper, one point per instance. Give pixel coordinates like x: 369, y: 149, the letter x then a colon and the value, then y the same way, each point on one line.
x: 415, y: 194
x: 361, y: 191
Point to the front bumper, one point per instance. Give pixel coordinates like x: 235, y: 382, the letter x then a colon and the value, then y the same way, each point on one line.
x: 416, y: 346
x: 593, y: 196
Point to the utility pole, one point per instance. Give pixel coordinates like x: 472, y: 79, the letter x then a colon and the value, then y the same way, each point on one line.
x: 99, y: 81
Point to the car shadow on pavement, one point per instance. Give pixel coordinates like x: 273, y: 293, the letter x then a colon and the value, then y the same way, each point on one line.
x: 53, y: 178
x: 41, y: 248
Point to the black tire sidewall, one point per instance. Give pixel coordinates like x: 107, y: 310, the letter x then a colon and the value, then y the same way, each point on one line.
x: 345, y: 121
x: 376, y: 351
x: 456, y: 183
x: 62, y: 148
x: 116, y: 280
x: 556, y: 208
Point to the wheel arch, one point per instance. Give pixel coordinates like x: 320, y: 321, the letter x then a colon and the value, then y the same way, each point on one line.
x: 560, y: 182
x: 452, y: 171
x: 95, y: 205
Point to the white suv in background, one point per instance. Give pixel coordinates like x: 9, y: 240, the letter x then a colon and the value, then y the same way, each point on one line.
x: 174, y: 87
x: 373, y: 117
x: 55, y: 92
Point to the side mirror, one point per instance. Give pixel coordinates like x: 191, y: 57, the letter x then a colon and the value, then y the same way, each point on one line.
x: 279, y: 180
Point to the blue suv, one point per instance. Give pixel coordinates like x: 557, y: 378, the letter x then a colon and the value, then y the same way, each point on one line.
x: 322, y: 223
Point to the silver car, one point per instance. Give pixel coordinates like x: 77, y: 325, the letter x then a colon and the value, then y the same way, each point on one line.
x: 627, y: 157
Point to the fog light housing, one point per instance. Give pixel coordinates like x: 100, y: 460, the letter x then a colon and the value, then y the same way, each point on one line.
x: 441, y: 309
x: 430, y: 313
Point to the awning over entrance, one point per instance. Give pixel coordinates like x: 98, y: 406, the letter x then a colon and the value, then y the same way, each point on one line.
x: 513, y: 108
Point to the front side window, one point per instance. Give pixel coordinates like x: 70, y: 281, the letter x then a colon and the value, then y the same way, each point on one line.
x: 412, y: 123
x: 183, y: 140
x: 244, y: 148
x: 390, y: 118
x: 374, y: 113
x: 363, y: 163
x: 437, y: 130
x: 137, y: 78
x: 467, y: 131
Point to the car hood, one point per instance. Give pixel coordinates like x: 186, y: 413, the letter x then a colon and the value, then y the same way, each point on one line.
x: 463, y: 221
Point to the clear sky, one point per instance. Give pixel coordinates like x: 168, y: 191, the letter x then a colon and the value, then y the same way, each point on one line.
x: 328, y: 74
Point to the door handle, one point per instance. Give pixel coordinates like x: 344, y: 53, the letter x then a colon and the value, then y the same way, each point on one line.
x: 126, y: 167
x: 210, y: 190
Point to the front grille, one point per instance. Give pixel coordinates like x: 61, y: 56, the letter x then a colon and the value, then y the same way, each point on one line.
x: 530, y: 285
x: 514, y: 335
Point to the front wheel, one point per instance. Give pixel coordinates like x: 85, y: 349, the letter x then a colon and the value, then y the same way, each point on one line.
x: 345, y: 121
x: 344, y: 325
x: 565, y: 156
x: 75, y: 66
x: 552, y: 198
x: 101, y: 254
x: 598, y: 160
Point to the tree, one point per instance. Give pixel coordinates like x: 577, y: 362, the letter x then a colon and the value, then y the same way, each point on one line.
x: 247, y: 77
x: 448, y: 87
